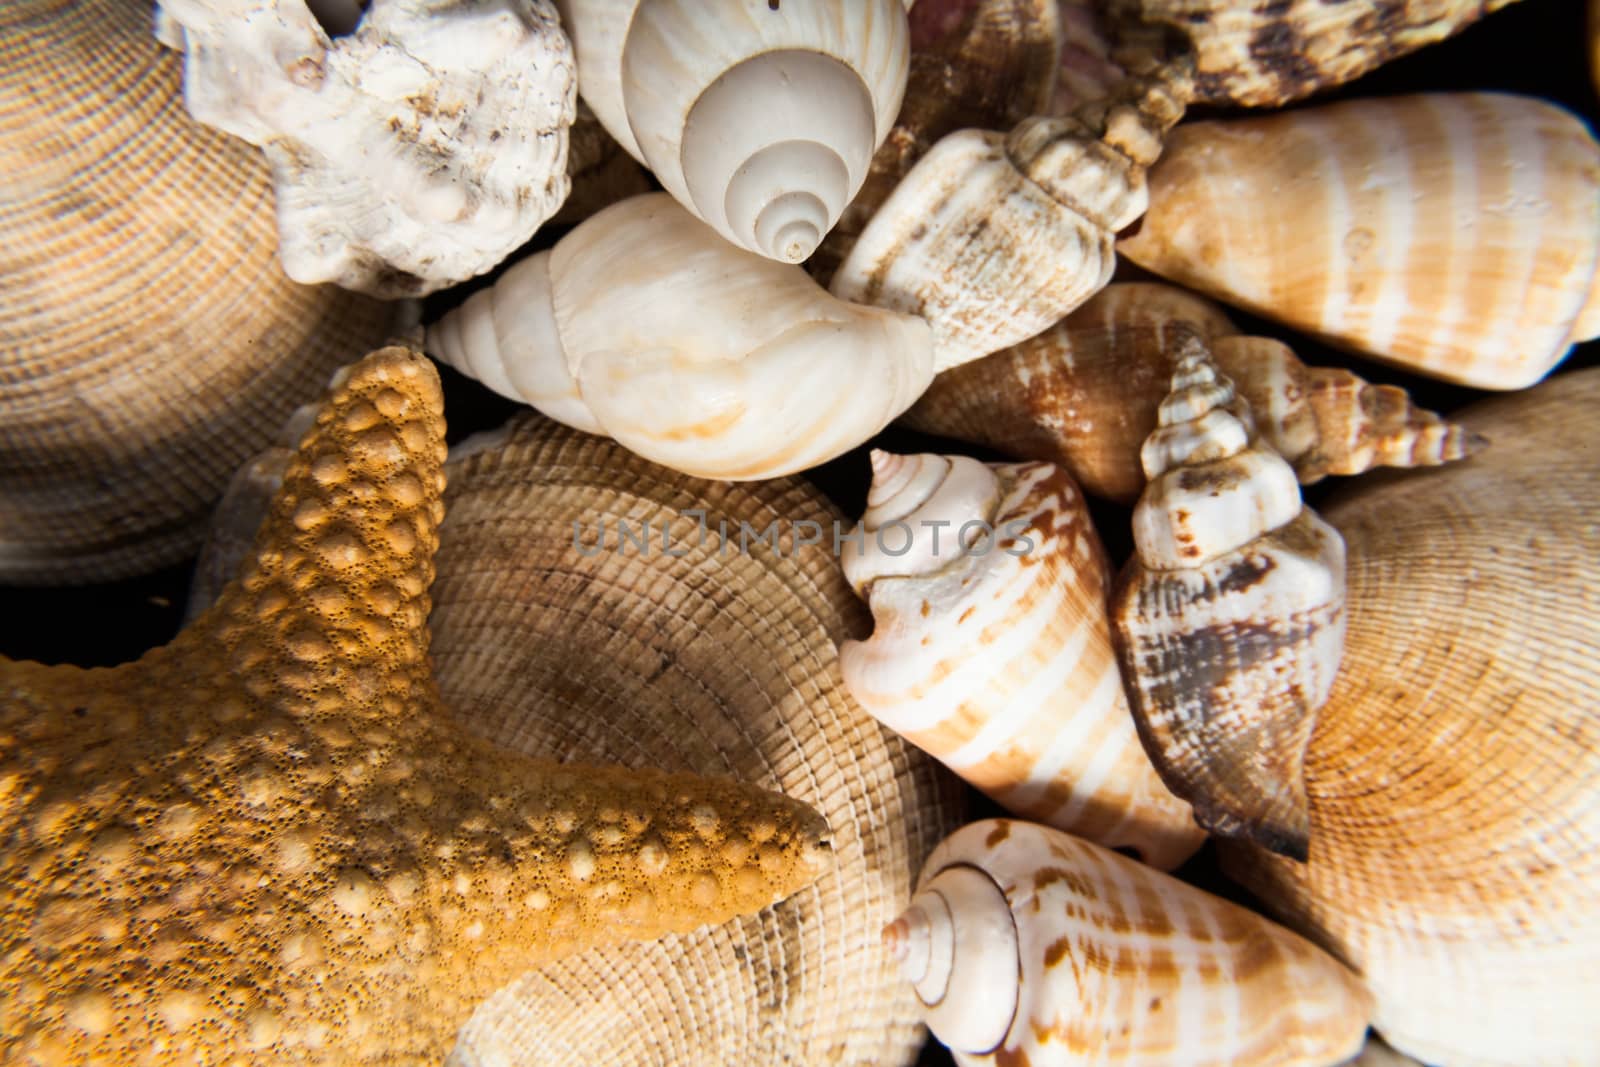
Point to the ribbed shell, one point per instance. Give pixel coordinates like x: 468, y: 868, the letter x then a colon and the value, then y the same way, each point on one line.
x: 149, y: 340
x: 1124, y: 965
x: 1084, y: 394
x: 1454, y: 773
x: 726, y: 664
x: 1455, y: 235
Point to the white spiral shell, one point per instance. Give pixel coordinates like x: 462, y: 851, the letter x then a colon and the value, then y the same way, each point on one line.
x: 644, y: 325
x: 759, y: 117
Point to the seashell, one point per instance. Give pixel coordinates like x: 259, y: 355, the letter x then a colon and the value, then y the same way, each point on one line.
x: 691, y: 653
x: 413, y: 153
x: 1454, y: 234
x: 1230, y: 621
x: 1453, y: 770
x: 760, y: 119
x: 992, y: 650
x: 150, y: 341
x: 644, y: 325
x: 993, y: 238
x: 1087, y: 69
x: 1029, y: 946
x: 1084, y: 394
x: 975, y: 64
x: 1268, y: 55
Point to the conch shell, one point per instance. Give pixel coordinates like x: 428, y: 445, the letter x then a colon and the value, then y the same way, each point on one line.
x: 1453, y: 770
x: 150, y: 340
x: 1456, y: 234
x: 1029, y: 946
x: 759, y: 118
x: 413, y: 153
x: 1084, y: 394
x: 644, y: 325
x: 1230, y: 621
x: 557, y: 635
x: 992, y: 650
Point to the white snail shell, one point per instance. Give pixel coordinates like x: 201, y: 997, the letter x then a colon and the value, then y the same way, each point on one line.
x: 644, y: 325
x: 761, y: 118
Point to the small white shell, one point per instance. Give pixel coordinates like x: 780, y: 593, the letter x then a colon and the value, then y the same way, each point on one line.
x: 412, y: 154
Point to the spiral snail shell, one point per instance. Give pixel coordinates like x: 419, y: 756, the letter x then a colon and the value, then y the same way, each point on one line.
x: 1230, y: 624
x: 1029, y: 946
x: 762, y: 118
x: 992, y: 650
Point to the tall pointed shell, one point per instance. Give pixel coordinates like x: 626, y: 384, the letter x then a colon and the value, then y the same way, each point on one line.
x: 759, y: 118
x: 992, y: 650
x: 151, y: 340
x: 1084, y: 394
x: 1230, y: 621
x: 1453, y: 770
x: 645, y: 325
x: 688, y: 654
x: 1029, y: 946
x: 1456, y: 235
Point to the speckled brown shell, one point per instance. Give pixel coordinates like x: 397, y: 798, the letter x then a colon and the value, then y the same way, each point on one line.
x: 1453, y: 771
x: 150, y: 340
x: 713, y: 662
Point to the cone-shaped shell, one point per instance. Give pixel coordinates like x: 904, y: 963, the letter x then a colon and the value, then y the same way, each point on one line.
x: 1030, y: 946
x: 1084, y: 394
x: 992, y: 650
x: 690, y: 654
x: 1230, y: 619
x: 150, y: 338
x: 1456, y: 235
x: 1453, y: 771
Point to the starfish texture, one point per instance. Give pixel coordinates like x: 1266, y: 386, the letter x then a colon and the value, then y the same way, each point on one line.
x: 266, y: 841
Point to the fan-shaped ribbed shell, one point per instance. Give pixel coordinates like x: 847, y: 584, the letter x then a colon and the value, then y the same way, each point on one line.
x: 1454, y: 234
x: 1454, y: 773
x: 149, y: 340
x: 726, y: 663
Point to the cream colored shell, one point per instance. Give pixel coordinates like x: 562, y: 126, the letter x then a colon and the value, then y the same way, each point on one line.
x: 413, y: 153
x: 1029, y: 946
x: 1452, y: 773
x: 1455, y: 235
x: 992, y: 650
x: 761, y: 118
x: 645, y: 325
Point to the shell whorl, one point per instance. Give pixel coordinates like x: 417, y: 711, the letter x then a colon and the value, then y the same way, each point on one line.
x: 909, y: 493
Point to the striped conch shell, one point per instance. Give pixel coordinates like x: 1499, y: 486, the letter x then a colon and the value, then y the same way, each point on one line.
x: 1029, y: 946
x: 557, y: 635
x: 149, y: 337
x: 760, y: 118
x: 1230, y: 621
x: 1267, y: 55
x: 993, y: 237
x: 1453, y: 771
x: 1084, y: 394
x: 1456, y: 235
x: 644, y: 325
x: 992, y: 650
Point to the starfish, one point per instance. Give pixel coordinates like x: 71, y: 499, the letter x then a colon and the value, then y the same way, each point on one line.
x: 267, y: 842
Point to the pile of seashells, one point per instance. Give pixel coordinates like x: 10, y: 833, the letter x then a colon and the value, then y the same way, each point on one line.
x: 932, y: 766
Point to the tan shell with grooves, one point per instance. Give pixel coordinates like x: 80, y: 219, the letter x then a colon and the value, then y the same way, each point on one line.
x: 1456, y: 235
x: 150, y: 340
x: 1453, y: 771
x: 1084, y: 394
x: 727, y: 663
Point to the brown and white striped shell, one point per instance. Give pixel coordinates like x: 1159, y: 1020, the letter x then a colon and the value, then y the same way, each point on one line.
x: 150, y: 339
x: 1029, y: 946
x: 1084, y: 394
x: 691, y: 652
x: 1230, y: 619
x: 992, y: 652
x: 1454, y: 773
x: 1453, y: 234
